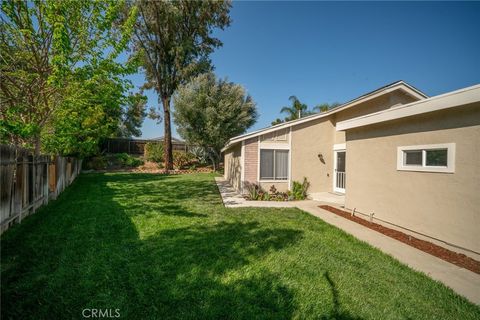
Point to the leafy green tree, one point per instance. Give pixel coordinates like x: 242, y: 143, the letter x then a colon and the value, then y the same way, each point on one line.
x: 94, y: 107
x: 209, y: 111
x: 46, y: 47
x: 173, y: 40
x: 133, y: 114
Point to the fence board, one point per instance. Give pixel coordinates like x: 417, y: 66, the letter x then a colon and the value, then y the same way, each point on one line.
x: 27, y: 182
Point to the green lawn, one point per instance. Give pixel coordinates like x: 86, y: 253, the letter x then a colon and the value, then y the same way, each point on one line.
x: 160, y: 247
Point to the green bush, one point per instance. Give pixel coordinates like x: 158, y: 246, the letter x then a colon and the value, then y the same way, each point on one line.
x: 299, y: 190
x: 126, y: 160
x: 99, y: 162
x: 154, y: 152
x: 182, y: 159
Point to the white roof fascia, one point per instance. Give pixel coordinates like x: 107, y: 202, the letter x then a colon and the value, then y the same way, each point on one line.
x: 444, y: 101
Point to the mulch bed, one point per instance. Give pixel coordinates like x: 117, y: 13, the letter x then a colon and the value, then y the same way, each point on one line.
x: 457, y: 259
x: 156, y: 171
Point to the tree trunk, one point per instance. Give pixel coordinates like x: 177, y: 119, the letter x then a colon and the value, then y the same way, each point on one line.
x: 168, y: 154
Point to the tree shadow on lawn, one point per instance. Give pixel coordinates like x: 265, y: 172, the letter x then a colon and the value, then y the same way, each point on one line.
x: 83, y: 251
x: 336, y: 312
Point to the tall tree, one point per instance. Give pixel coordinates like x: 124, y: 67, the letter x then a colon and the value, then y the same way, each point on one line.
x: 133, y: 114
x: 296, y: 110
x: 173, y: 40
x: 208, y: 112
x: 45, y: 46
x: 324, y: 107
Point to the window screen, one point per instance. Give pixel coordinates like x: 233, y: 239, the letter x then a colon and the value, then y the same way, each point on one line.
x: 413, y: 158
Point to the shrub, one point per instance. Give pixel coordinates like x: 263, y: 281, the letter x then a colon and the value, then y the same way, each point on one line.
x: 97, y: 163
x: 199, y: 153
x: 125, y: 160
x: 299, y: 190
x: 154, y: 152
x: 254, y: 191
x: 275, y: 195
x: 182, y: 159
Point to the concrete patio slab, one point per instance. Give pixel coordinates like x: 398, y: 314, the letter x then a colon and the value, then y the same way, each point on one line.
x: 232, y: 199
x: 462, y: 281
x: 329, y: 197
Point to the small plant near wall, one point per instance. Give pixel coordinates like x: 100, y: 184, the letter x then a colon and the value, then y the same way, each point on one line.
x: 256, y: 193
x: 300, y: 189
x: 253, y: 191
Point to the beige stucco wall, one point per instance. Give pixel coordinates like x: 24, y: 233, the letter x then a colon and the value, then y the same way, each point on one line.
x: 251, y: 160
x: 233, y: 166
x: 308, y: 141
x: 281, y: 186
x: 280, y: 136
x: 383, y: 102
x: 442, y: 205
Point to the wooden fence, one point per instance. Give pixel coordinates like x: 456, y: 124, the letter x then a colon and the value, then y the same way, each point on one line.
x: 27, y: 182
x: 135, y: 146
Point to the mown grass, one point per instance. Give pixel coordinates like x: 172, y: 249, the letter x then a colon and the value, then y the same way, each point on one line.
x: 164, y: 247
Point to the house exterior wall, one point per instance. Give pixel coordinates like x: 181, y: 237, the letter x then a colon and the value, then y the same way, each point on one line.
x: 233, y: 166
x: 251, y: 160
x: 441, y: 205
x: 277, y: 139
x: 319, y: 136
x: 308, y: 141
x: 384, y: 102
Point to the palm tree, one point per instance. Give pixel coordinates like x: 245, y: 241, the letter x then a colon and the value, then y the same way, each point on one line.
x: 324, y: 107
x: 277, y: 121
x: 296, y: 110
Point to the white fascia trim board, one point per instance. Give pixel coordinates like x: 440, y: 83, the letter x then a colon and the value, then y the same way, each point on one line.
x: 448, y: 100
x: 339, y: 146
x: 396, y: 86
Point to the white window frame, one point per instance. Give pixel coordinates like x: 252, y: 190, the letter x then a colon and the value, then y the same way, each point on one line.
x: 450, y: 168
x: 273, y: 147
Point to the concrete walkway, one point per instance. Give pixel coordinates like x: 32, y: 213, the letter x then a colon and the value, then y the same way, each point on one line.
x: 462, y: 281
x: 232, y: 199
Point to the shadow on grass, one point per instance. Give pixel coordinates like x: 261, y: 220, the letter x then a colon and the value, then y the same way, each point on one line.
x: 336, y: 312
x: 83, y: 251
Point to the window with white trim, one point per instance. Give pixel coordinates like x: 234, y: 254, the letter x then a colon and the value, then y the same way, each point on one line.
x: 429, y: 158
x: 273, y: 164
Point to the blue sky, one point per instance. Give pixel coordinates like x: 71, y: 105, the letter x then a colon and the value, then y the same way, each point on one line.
x: 336, y: 51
